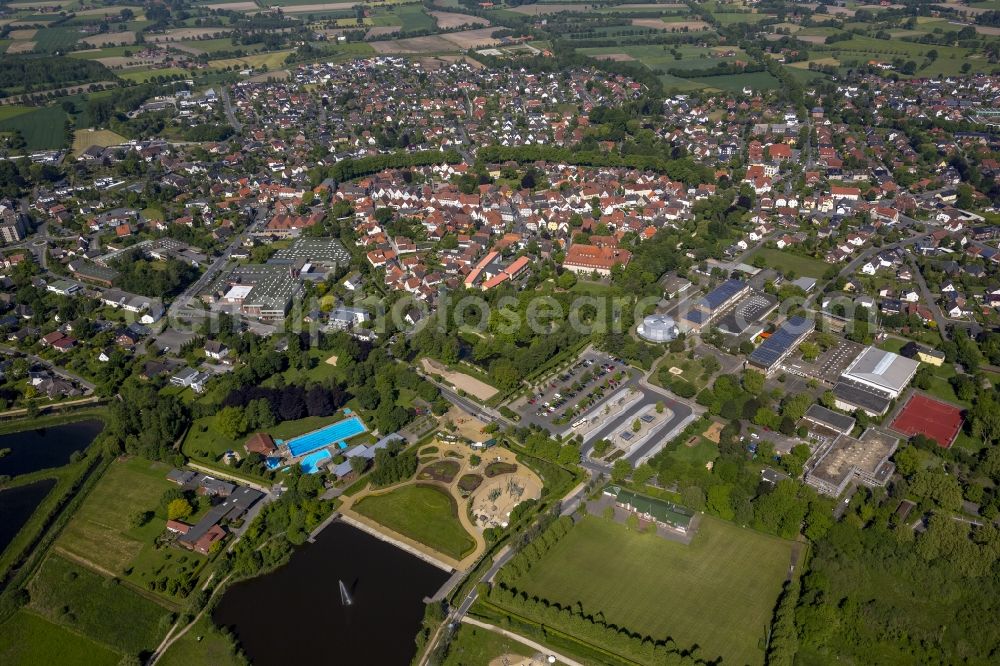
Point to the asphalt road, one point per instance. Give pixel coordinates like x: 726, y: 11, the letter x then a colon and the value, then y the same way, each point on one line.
x: 230, y: 115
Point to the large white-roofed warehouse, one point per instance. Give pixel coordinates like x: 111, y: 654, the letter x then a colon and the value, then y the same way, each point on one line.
x: 658, y: 328
x: 882, y: 370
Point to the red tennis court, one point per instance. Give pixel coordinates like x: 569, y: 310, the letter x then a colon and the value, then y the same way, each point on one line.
x: 932, y: 418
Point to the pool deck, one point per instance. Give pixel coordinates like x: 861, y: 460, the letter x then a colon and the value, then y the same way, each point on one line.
x: 328, y: 443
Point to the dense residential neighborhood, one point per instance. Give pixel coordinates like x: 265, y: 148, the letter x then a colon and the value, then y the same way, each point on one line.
x: 614, y: 334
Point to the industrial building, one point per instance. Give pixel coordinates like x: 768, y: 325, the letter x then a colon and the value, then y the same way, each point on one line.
x: 769, y: 356
x: 264, y: 291
x: 658, y: 328
x: 323, y: 252
x: 864, y: 460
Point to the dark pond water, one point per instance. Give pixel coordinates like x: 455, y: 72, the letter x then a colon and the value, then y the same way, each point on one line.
x: 17, y: 505
x: 294, y: 615
x: 32, y: 450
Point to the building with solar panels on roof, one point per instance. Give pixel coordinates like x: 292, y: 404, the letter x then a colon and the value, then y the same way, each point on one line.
x: 771, y: 353
x: 715, y: 303
x: 658, y: 328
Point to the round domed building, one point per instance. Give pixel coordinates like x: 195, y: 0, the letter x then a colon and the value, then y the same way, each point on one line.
x: 658, y: 328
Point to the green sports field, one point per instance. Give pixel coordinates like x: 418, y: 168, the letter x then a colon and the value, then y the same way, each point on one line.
x: 423, y: 513
x: 718, y: 592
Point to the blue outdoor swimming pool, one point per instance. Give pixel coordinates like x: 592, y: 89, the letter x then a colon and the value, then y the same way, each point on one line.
x: 335, y: 433
x: 272, y: 463
x: 310, y: 464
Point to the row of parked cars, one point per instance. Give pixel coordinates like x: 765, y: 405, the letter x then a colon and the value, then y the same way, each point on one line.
x: 559, y: 399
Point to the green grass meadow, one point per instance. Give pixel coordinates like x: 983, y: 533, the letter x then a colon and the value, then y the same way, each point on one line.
x: 423, y: 513
x: 101, y: 530
x: 473, y: 646
x: 718, y: 592
x: 202, y: 644
x: 783, y: 261
x: 27, y: 638
x: 98, y: 607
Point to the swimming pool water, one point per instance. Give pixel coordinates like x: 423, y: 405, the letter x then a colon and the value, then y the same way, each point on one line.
x: 335, y: 433
x: 310, y: 464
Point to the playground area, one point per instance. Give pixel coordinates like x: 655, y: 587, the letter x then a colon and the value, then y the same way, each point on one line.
x: 494, y: 500
x: 466, y: 425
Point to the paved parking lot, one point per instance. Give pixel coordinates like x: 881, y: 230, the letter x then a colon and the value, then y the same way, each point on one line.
x: 830, y: 364
x: 618, y: 420
x: 567, y: 395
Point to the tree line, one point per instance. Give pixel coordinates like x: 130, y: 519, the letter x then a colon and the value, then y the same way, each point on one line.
x: 349, y: 169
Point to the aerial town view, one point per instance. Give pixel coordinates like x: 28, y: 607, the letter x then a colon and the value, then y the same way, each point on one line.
x: 499, y: 332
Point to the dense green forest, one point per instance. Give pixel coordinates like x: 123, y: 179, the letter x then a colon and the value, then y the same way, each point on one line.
x: 24, y: 74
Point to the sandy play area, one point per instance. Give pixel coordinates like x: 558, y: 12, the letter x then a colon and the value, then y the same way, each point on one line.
x: 466, y: 425
x: 497, y: 496
x: 459, y: 380
x: 713, y: 433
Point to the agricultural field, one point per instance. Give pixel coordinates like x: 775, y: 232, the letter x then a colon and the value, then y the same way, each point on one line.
x: 141, y: 75
x: 108, y: 52
x: 27, y: 638
x: 272, y: 61
x: 755, y: 81
x: 198, y: 46
x: 95, y: 606
x: 55, y: 39
x: 413, y: 17
x: 104, y: 534
x: 447, y: 20
x: 423, y: 513
x: 783, y: 261
x: 662, y: 59
x: 83, y: 139
x: 731, y: 18
x: 858, y: 50
x: 42, y: 128
x: 443, y: 43
x: 721, y: 588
